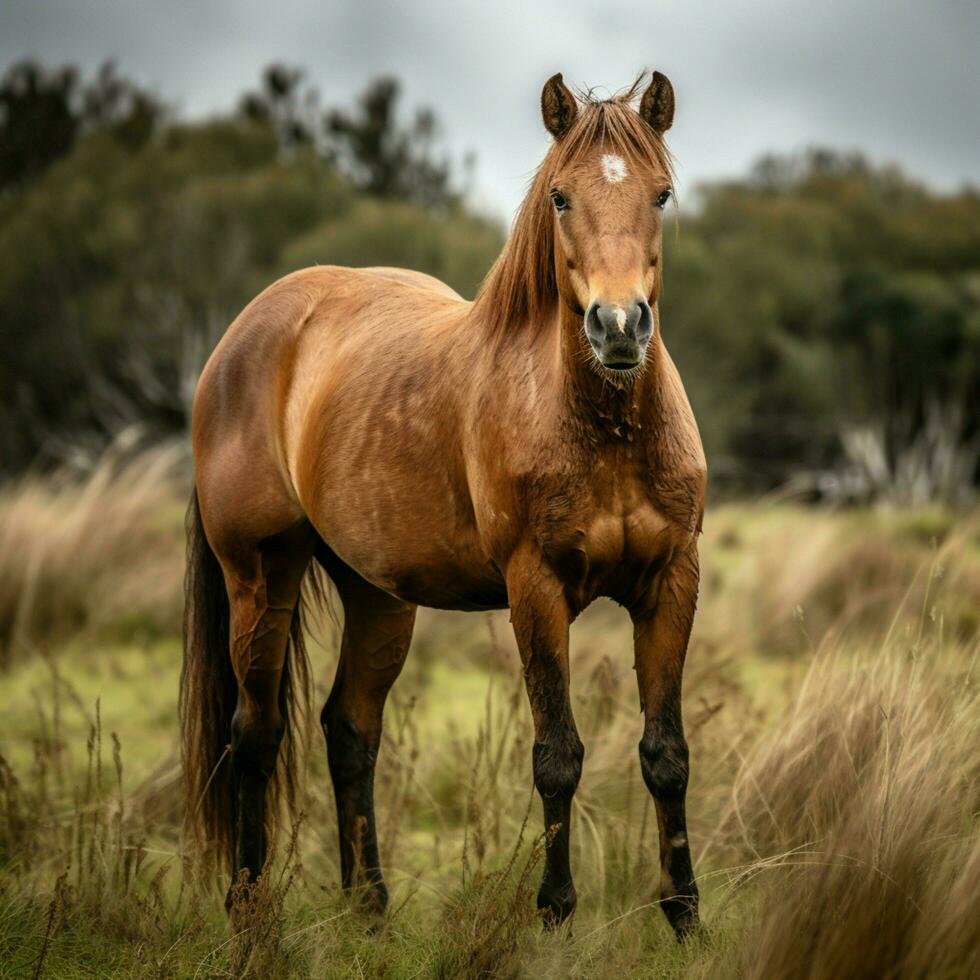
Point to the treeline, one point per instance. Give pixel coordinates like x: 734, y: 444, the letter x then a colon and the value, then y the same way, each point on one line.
x: 825, y: 313
x: 126, y: 249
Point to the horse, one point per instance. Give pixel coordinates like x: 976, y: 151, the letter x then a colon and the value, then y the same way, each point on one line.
x: 533, y: 448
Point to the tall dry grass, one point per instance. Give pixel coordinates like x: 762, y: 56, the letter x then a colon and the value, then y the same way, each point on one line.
x: 777, y: 578
x: 838, y: 840
x: 832, y: 809
x: 79, y: 554
x: 857, y: 812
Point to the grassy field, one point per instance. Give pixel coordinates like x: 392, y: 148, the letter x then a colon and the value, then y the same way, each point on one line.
x: 830, y: 704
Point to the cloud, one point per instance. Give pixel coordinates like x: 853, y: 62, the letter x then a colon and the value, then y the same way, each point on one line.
x: 896, y: 79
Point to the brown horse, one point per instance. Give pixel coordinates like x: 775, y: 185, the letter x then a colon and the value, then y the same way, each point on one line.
x: 532, y: 449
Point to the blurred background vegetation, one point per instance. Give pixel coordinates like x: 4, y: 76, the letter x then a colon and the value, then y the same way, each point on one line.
x: 825, y: 313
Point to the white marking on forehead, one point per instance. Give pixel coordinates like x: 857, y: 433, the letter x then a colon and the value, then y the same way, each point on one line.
x: 613, y: 168
x: 621, y: 319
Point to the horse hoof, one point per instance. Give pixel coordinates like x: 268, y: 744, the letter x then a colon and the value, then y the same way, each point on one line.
x: 682, y: 914
x: 370, y: 900
x: 555, y: 907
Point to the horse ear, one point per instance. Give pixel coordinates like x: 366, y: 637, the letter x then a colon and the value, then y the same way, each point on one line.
x: 657, y: 105
x: 558, y: 106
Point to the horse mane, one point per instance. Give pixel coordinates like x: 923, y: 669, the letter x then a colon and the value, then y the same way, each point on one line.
x: 521, y: 288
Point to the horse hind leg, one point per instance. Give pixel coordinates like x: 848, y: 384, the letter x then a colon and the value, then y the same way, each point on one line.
x: 377, y: 633
x: 263, y: 587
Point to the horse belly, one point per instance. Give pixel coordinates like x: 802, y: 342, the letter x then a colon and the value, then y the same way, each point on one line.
x: 450, y: 587
x: 413, y: 544
x: 425, y: 575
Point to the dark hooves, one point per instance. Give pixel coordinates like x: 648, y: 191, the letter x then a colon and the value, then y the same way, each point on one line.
x: 555, y: 907
x: 682, y: 914
x: 370, y: 899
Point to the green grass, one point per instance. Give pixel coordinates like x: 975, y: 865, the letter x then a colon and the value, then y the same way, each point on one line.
x: 830, y: 704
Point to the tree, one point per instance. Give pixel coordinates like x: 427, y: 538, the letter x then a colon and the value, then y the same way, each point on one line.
x: 121, y: 266
x: 837, y: 298
x: 43, y: 112
x: 385, y: 158
x: 121, y: 107
x: 38, y: 121
x: 282, y: 102
x: 369, y: 145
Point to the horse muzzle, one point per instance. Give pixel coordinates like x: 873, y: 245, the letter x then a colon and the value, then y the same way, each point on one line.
x: 619, y: 334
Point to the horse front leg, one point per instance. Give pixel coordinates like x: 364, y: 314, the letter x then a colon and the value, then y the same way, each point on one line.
x: 540, y: 618
x: 661, y: 627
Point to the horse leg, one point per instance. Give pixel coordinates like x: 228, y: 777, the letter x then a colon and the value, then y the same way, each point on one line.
x: 662, y: 625
x: 263, y: 589
x: 540, y: 618
x: 377, y: 634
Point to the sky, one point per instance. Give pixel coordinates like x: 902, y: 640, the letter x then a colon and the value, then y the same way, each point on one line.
x: 896, y: 79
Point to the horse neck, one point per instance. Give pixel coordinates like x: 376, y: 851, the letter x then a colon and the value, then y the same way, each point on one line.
x: 544, y: 375
x: 604, y: 409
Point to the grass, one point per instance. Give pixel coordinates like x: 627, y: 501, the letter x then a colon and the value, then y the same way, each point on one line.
x: 830, y: 703
x: 88, y: 556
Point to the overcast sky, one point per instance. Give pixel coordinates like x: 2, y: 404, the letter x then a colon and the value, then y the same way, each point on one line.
x: 897, y: 79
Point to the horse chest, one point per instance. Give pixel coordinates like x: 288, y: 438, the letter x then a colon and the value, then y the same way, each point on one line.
x: 608, y: 539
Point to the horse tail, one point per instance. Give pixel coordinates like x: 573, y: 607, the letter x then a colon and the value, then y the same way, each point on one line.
x: 208, y: 696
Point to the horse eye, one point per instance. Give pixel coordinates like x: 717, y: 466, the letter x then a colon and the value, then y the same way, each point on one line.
x: 664, y: 197
x: 559, y: 201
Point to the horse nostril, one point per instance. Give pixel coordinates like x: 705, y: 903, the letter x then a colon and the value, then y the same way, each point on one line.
x: 594, y: 329
x: 644, y: 323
